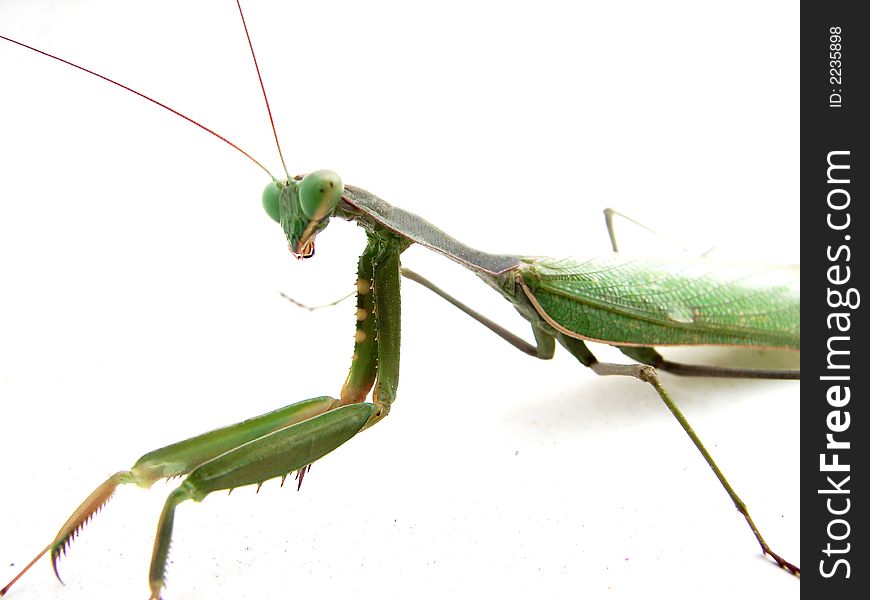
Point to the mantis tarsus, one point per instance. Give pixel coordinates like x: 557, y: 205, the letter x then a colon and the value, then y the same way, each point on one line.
x: 212, y: 251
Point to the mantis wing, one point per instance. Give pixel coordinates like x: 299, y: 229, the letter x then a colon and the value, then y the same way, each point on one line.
x: 665, y: 302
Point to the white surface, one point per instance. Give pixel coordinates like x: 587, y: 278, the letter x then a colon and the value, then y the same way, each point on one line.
x: 139, y: 292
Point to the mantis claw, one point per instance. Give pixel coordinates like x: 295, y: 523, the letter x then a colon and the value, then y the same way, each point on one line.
x: 782, y: 563
x: 77, y: 521
x: 83, y: 515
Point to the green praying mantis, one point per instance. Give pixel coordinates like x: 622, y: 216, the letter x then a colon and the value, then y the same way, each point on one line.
x: 294, y: 350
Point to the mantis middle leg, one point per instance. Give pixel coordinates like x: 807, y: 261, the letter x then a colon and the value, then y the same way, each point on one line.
x: 649, y: 375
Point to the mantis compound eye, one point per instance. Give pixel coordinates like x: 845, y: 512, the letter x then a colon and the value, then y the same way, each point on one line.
x: 270, y: 201
x: 319, y: 193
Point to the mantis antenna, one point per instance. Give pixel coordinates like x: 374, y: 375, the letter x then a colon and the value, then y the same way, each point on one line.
x: 169, y: 108
x: 263, y: 88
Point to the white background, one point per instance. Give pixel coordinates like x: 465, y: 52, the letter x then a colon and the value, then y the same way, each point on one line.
x: 139, y: 280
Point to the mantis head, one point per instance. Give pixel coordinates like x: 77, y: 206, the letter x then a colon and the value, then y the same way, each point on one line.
x: 303, y: 207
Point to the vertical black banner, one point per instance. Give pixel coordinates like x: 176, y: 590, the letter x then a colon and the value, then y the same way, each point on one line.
x: 835, y: 222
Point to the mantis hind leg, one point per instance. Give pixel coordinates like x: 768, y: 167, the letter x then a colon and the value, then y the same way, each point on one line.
x: 610, y: 213
x: 649, y: 356
x: 648, y: 374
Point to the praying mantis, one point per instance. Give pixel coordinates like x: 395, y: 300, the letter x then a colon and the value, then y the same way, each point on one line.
x: 173, y: 283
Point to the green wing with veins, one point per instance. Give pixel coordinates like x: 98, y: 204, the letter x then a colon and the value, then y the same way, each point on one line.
x: 666, y: 302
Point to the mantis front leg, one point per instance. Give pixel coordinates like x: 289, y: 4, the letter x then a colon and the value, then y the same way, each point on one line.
x: 276, y: 443
x: 275, y: 455
x: 375, y: 362
x: 176, y: 460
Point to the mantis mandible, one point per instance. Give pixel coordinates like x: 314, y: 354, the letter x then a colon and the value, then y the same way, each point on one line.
x: 209, y: 250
